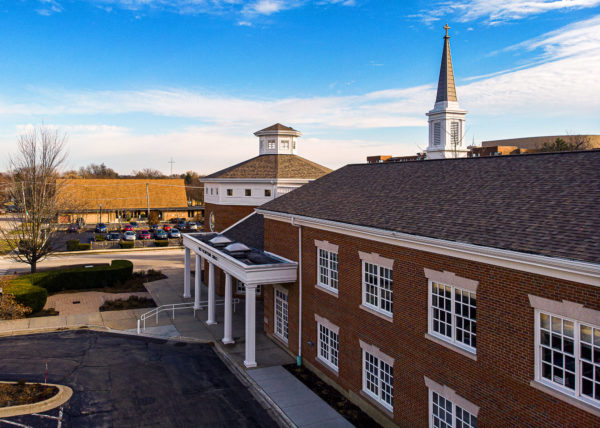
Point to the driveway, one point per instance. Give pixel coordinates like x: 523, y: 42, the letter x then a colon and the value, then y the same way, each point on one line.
x: 127, y: 381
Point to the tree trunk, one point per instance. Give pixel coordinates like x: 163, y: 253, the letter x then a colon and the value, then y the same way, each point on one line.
x: 33, y: 266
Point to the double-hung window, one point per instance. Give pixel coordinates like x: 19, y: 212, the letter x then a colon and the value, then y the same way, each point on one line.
x: 229, y: 192
x: 271, y: 145
x: 378, y: 375
x: 377, y: 283
x: 328, y: 269
x: 281, y: 314
x: 449, y: 410
x: 453, y: 315
x: 327, y: 342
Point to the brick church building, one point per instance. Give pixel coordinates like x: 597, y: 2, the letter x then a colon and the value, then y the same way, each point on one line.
x: 443, y: 293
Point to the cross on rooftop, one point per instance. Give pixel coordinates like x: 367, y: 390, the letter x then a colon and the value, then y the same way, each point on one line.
x: 446, y: 27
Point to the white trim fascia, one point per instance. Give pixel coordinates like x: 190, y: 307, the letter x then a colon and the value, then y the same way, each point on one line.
x: 570, y: 270
x: 258, y: 180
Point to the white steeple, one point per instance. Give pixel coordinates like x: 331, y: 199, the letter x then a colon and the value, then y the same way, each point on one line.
x: 447, y: 119
x: 277, y: 140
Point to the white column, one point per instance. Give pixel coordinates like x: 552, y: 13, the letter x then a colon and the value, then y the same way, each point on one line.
x: 250, y: 360
x: 197, y: 288
x: 227, y: 339
x: 211, y: 294
x: 186, y: 275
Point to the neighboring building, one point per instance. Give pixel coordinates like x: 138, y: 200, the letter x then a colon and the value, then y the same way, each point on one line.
x: 532, y: 143
x: 112, y: 200
x: 464, y: 290
x: 234, y: 192
x: 447, y: 119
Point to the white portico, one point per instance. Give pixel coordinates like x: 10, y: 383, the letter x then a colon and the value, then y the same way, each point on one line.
x: 250, y: 266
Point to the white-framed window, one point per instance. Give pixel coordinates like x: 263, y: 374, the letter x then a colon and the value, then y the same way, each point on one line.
x: 447, y: 409
x: 216, y: 190
x: 248, y: 192
x: 327, y: 342
x: 267, y: 192
x: 568, y: 356
x: 453, y: 315
x: 437, y: 133
x: 285, y: 144
x: 281, y: 314
x: 294, y: 144
x: 211, y: 190
x: 377, y: 286
x: 240, y: 287
x: 327, y: 262
x: 271, y: 144
x: 378, y: 375
x: 229, y: 192
x: 454, y: 134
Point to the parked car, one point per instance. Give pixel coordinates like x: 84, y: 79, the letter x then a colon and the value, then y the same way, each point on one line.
x: 160, y: 234
x: 166, y: 227
x: 154, y: 228
x: 113, y: 235
x: 129, y: 235
x: 128, y: 228
x: 134, y: 223
x: 174, y: 220
x: 174, y: 233
x: 192, y: 225
x: 101, y: 228
x: 144, y: 234
x: 73, y: 228
x: 181, y: 225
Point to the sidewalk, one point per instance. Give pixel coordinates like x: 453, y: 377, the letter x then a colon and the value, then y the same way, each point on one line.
x: 302, y: 406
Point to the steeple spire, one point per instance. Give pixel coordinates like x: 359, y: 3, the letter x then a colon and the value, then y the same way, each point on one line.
x: 446, y: 89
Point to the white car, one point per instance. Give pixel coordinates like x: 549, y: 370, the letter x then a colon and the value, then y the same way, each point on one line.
x: 192, y: 226
x: 129, y: 236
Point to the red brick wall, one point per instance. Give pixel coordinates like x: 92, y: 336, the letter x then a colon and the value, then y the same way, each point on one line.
x: 225, y: 215
x: 498, y: 382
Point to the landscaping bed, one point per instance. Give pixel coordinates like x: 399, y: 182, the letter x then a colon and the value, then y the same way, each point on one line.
x: 19, y: 393
x: 331, y: 396
x: 133, y: 302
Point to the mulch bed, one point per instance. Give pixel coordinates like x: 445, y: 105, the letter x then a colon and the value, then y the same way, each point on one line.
x: 16, y: 394
x: 332, y: 397
x: 133, y: 302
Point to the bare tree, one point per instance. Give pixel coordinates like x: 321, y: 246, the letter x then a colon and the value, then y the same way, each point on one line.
x: 34, y: 187
x: 148, y: 173
x: 570, y: 143
x: 97, y: 171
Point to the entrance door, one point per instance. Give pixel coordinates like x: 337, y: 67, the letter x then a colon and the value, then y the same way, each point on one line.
x: 281, y: 314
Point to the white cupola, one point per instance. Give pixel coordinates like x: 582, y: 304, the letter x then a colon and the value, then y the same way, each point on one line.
x: 447, y: 119
x: 277, y: 140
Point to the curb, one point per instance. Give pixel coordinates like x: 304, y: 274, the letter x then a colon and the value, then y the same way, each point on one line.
x: 64, y: 394
x: 116, y: 250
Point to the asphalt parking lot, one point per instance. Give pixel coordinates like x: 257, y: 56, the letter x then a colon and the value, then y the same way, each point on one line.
x: 129, y: 381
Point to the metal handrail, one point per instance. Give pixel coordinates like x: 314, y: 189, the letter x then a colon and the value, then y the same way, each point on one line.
x: 175, y: 307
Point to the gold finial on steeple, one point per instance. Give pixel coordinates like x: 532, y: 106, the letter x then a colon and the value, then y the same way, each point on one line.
x: 446, y: 27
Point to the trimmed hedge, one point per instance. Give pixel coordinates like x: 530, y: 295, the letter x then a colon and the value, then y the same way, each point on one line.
x: 81, y: 278
x: 161, y: 242
x: 100, y: 237
x: 26, y: 293
x: 75, y: 245
x: 127, y: 244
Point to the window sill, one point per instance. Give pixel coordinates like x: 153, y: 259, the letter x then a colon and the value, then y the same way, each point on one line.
x: 327, y: 365
x: 326, y: 290
x: 389, y: 413
x: 566, y: 398
x: 451, y: 346
x: 376, y: 313
x: 281, y: 339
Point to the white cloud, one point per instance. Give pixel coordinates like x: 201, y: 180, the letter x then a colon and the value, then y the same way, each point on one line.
x: 497, y: 11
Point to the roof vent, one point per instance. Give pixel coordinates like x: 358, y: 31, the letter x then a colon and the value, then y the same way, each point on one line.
x: 220, y: 241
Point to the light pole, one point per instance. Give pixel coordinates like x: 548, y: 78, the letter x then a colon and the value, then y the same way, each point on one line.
x: 100, y: 214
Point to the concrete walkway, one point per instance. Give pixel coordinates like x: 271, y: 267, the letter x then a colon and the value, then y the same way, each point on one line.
x: 302, y: 406
x: 85, y: 302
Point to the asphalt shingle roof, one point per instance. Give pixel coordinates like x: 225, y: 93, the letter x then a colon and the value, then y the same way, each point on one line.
x: 273, y: 166
x: 546, y: 204
x: 251, y: 232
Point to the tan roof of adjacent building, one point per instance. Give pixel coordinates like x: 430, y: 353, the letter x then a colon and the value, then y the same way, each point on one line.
x: 273, y: 166
x: 122, y: 193
x: 537, y: 142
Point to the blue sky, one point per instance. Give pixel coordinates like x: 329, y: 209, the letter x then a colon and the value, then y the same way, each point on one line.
x: 134, y: 82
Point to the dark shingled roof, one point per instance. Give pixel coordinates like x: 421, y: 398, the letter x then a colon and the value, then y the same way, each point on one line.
x: 251, y: 232
x: 277, y: 127
x: 273, y: 166
x: 547, y: 204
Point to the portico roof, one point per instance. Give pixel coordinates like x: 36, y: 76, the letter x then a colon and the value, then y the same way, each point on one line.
x: 251, y: 267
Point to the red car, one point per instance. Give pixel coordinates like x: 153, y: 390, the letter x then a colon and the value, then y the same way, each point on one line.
x: 128, y: 228
x: 166, y: 227
x: 144, y: 234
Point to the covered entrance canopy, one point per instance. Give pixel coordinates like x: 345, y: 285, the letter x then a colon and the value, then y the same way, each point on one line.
x: 251, y: 266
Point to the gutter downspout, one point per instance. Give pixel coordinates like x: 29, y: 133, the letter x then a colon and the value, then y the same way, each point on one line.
x: 299, y: 356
